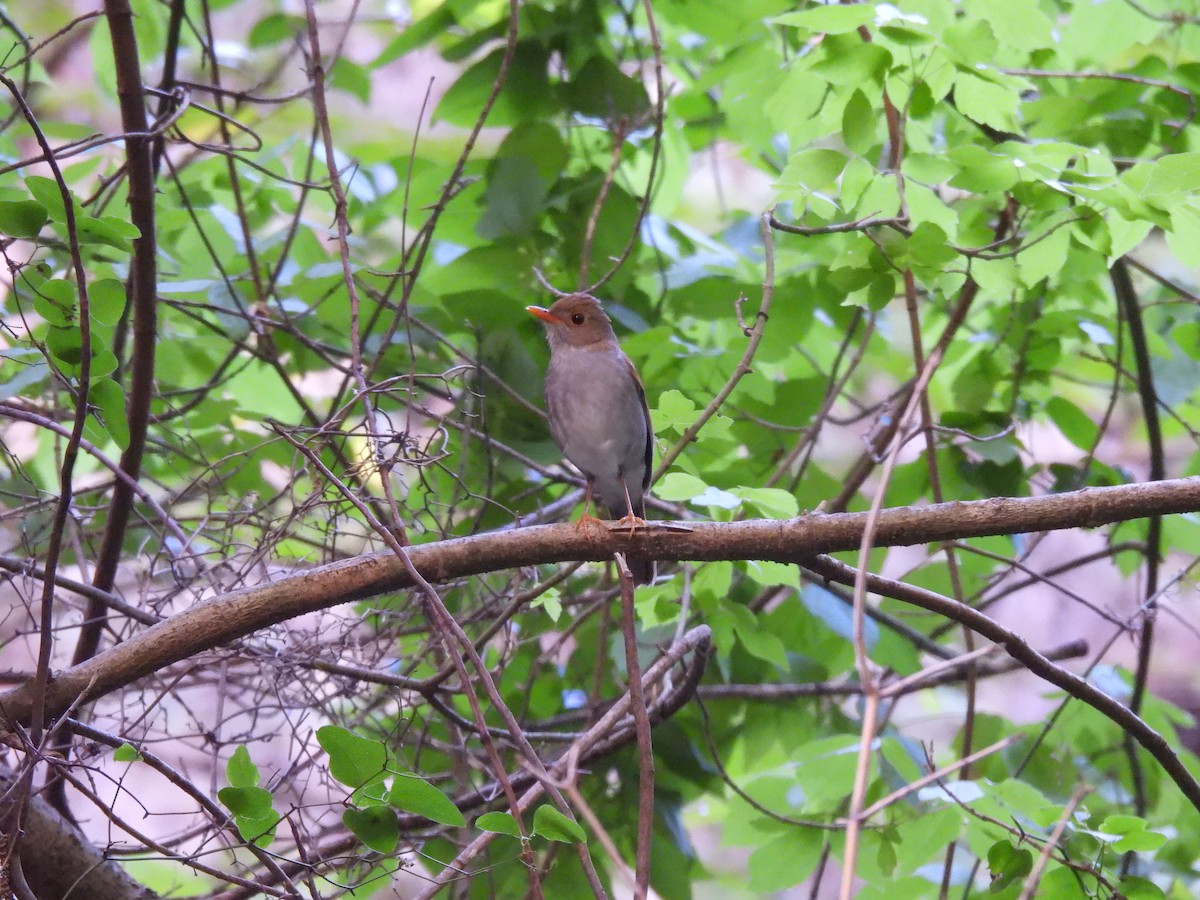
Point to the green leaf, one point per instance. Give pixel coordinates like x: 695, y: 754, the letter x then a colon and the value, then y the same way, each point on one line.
x: 418, y: 33
x: 549, y: 823
x: 770, y: 502
x: 526, y: 95
x: 1016, y: 23
x: 1077, y: 426
x: 65, y: 345
x: 240, y: 770
x: 354, y: 761
x: 353, y: 79
x: 275, y: 28
x: 784, y: 861
x: 46, y: 192
x: 1007, y: 864
x: 677, y: 486
x: 498, y: 822
x: 859, y: 121
x: 375, y: 826
x: 853, y: 65
x: 107, y: 399
x: 551, y: 602
x: 1134, y: 837
x: 674, y: 412
x: 986, y: 102
x: 127, y: 753
x: 1134, y: 888
x: 1166, y: 177
x: 22, y: 218
x: 107, y: 230
x: 56, y: 302
x: 515, y: 196
x: 254, y: 802
x: 106, y: 300
x: 814, y: 169
x: 259, y: 829
x: 601, y: 90
x: 981, y: 170
x: 413, y: 794
x: 828, y: 19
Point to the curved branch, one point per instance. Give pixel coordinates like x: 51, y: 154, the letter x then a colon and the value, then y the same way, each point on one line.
x: 230, y: 616
x: 1018, y: 648
x: 142, y: 294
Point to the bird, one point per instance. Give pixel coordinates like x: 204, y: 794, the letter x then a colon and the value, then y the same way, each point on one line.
x: 597, y: 411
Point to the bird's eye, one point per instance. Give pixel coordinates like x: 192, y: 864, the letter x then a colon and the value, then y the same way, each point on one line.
x: 577, y: 318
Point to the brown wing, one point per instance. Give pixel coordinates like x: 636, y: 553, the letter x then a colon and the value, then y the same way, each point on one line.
x: 641, y: 392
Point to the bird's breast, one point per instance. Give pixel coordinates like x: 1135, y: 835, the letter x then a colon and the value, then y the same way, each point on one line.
x: 597, y: 418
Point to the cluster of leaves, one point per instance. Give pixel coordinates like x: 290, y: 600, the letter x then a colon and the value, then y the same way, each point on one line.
x: 950, y: 182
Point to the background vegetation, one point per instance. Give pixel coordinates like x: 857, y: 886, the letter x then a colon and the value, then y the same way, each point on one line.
x: 287, y: 613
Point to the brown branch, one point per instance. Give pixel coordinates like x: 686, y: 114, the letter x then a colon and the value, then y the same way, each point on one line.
x: 61, y: 862
x: 637, y: 702
x: 786, y: 692
x: 142, y: 293
x: 230, y: 616
x: 1019, y: 649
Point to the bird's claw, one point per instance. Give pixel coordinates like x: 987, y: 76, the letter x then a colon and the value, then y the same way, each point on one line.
x: 587, y: 522
x: 630, y: 522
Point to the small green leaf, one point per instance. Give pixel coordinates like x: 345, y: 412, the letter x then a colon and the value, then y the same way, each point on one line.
x: 854, y: 65
x: 515, y: 194
x: 982, y: 171
x: 602, y: 91
x: 353, y: 760
x: 986, y: 102
x: 858, y: 121
x: 246, y: 801
x: 549, y: 823
x: 1134, y: 836
x: 107, y: 399
x: 498, y: 822
x: 351, y: 78
x: 240, y: 770
x: 1134, y: 888
x: 22, y: 218
x: 413, y: 794
x: 770, y: 502
x: 275, y: 28
x: 828, y: 19
x: 375, y: 826
x: 1077, y: 426
x: 65, y: 345
x: 106, y: 300
x: 551, y: 602
x: 259, y: 829
x: 45, y: 191
x: 814, y: 169
x: 56, y: 302
x: 127, y: 753
x: 108, y: 230
x: 1007, y: 863
x: 676, y: 486
x: 675, y: 411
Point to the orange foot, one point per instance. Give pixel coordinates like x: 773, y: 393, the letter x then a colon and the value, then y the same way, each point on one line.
x: 630, y: 521
x: 587, y: 522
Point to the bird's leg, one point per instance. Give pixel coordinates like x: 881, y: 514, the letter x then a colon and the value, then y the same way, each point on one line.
x: 630, y: 520
x: 587, y: 520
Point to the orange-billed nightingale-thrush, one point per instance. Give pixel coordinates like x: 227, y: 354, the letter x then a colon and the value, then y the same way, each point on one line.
x: 597, y: 411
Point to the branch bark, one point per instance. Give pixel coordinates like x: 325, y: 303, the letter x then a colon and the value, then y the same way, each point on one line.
x: 231, y: 616
x: 59, y: 861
